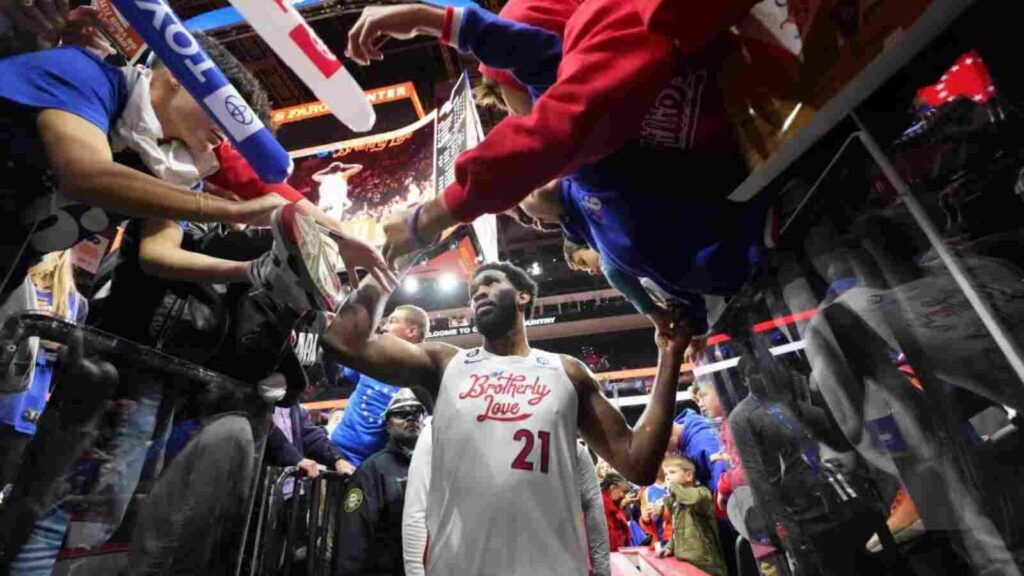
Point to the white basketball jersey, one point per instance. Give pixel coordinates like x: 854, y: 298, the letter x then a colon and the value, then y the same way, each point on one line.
x: 333, y: 195
x: 503, y: 497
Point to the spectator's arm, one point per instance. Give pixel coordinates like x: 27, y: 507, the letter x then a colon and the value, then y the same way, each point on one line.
x: 83, y: 163
x: 690, y: 495
x: 612, y: 69
x: 161, y: 255
x: 630, y: 288
x: 530, y: 53
x: 280, y: 452
x: 316, y: 443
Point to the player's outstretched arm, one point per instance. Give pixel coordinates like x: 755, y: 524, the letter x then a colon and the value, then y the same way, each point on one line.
x: 352, y: 337
x: 635, y: 452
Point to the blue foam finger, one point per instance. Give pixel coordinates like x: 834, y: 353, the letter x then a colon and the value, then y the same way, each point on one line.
x: 177, y: 48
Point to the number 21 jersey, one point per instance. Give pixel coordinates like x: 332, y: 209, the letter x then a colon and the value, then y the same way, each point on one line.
x: 503, y: 497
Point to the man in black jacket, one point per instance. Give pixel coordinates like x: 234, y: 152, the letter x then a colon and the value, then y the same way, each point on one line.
x: 371, y: 522
x: 295, y: 441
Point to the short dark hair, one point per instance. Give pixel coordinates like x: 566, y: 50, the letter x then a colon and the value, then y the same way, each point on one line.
x: 247, y: 85
x: 613, y: 479
x: 518, y: 277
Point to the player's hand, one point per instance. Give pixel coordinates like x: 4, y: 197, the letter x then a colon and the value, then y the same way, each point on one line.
x: 344, y: 466
x: 44, y: 18
x: 378, y: 23
x: 676, y: 339
x: 720, y: 500
x: 359, y: 254
x: 83, y: 29
x: 647, y: 515
x: 308, y: 468
x: 630, y: 499
x: 434, y: 219
x: 663, y: 553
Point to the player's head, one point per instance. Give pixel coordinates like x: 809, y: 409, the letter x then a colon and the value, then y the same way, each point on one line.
x: 408, y: 322
x: 582, y: 257
x: 500, y: 294
x: 679, y: 471
x: 182, y: 118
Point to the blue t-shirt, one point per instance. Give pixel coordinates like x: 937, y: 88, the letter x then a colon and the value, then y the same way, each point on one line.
x: 362, y: 431
x: 69, y: 78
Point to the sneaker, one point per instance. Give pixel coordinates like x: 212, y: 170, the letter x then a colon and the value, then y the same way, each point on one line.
x: 904, y: 521
x: 301, y: 270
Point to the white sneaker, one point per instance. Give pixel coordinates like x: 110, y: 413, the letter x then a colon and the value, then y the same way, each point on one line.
x: 301, y: 270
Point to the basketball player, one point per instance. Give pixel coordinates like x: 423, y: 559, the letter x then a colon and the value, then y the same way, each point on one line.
x: 504, y: 497
x: 333, y: 181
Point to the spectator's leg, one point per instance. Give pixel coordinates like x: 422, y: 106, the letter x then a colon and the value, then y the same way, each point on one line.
x: 191, y: 522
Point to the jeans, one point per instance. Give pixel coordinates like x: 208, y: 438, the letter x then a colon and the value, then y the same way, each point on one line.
x: 38, y: 555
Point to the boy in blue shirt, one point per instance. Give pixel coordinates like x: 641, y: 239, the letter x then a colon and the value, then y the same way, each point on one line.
x: 59, y: 182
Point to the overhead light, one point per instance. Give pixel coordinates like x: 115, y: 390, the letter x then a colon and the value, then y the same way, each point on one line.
x: 535, y: 269
x: 447, y: 282
x: 411, y: 284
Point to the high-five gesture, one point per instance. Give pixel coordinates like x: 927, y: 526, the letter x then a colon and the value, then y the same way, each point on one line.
x: 378, y: 23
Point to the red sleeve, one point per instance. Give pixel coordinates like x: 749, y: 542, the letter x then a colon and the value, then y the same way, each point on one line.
x: 611, y: 72
x: 691, y: 24
x: 236, y: 175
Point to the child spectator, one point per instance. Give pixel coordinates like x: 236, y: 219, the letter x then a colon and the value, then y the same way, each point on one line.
x: 694, y: 527
x: 617, y: 494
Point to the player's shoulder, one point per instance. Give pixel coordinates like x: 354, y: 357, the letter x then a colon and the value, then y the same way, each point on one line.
x: 576, y: 370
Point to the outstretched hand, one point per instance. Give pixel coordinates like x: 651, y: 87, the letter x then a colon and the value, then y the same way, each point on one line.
x: 378, y: 23
x: 359, y: 254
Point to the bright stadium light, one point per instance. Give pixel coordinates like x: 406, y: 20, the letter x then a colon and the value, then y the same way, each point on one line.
x: 447, y: 282
x: 411, y: 284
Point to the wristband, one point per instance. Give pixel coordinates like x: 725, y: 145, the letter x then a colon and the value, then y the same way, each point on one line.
x: 446, y: 30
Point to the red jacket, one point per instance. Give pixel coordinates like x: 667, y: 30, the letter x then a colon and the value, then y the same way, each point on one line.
x: 735, y: 477
x: 612, y: 71
x: 236, y: 175
x: 618, y: 525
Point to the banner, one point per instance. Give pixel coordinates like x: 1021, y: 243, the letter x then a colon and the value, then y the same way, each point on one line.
x: 376, y: 96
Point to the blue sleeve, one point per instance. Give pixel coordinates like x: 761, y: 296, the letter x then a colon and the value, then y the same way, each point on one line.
x: 351, y: 375
x: 630, y: 287
x: 530, y: 53
x: 69, y: 79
